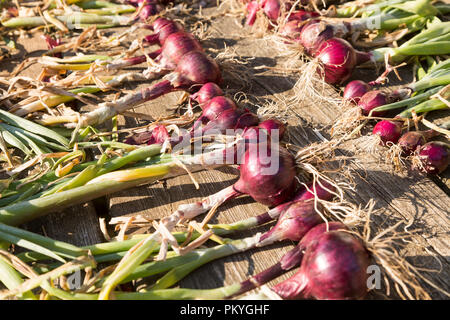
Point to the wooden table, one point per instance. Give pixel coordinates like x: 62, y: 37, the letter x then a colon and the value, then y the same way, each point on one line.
x: 413, y: 197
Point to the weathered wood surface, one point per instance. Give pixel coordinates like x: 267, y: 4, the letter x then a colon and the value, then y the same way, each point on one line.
x: 412, y: 198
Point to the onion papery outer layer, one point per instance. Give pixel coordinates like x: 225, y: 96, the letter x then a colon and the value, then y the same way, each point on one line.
x: 338, y: 59
x: 267, y: 174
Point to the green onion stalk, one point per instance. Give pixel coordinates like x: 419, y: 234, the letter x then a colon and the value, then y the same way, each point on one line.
x: 434, y: 40
x: 433, y: 82
x: 108, y: 183
x: 116, y: 250
x: 72, y: 21
x: 12, y: 279
x: 191, y: 261
x: 433, y: 104
x: 85, y: 172
x: 180, y: 266
x: 354, y: 8
x: 70, y: 267
x: 412, y: 15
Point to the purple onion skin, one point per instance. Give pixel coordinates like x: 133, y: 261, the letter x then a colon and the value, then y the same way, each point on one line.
x: 301, y: 15
x: 292, y: 30
x: 256, y: 180
x: 148, y: 11
x: 314, y: 34
x: 338, y: 59
x: 231, y: 119
x: 372, y: 100
x: 167, y: 30
x: 273, y: 124
x: 295, y: 222
x: 252, y: 9
x: 323, y: 193
x: 334, y: 267
x: 411, y: 140
x: 215, y: 107
x: 176, y: 46
x: 207, y: 92
x: 388, y: 131
x: 159, y: 23
x: 435, y: 157
x: 272, y: 9
x: 354, y: 90
x: 159, y: 135
x: 196, y: 68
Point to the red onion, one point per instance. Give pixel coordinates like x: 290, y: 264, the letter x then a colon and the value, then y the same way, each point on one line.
x: 215, y: 107
x: 231, y: 119
x: 292, y: 30
x: 334, y: 266
x: 268, y: 179
x: 294, y: 222
x: 176, y: 46
x: 434, y: 157
x: 195, y: 68
x: 163, y: 29
x: 272, y: 9
x: 372, y: 100
x: 149, y: 10
x: 354, y: 90
x: 273, y: 124
x: 206, y: 93
x: 411, y: 140
x: 388, y: 131
x: 252, y: 9
x: 314, y: 34
x: 338, y: 59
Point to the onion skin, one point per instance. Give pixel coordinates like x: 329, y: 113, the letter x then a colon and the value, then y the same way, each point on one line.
x: 302, y: 15
x: 231, y: 119
x: 317, y: 191
x: 207, y: 92
x: 292, y: 30
x: 215, y: 107
x: 434, y: 157
x: 372, y: 100
x: 273, y: 124
x: 176, y: 46
x: 252, y: 9
x: 149, y: 10
x: 314, y: 34
x: 388, y: 131
x: 255, y: 180
x: 196, y: 68
x: 354, y: 90
x: 159, y: 135
x: 295, y: 222
x: 411, y: 140
x: 338, y: 59
x: 334, y: 267
x: 272, y: 9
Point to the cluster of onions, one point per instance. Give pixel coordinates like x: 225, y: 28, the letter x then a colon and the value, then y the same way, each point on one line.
x: 181, y: 53
x: 428, y: 156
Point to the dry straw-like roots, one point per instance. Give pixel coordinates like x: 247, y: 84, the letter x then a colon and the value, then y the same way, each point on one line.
x: 397, y: 270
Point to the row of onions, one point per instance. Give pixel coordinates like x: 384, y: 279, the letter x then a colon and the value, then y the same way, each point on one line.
x: 322, y: 35
x: 300, y: 207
